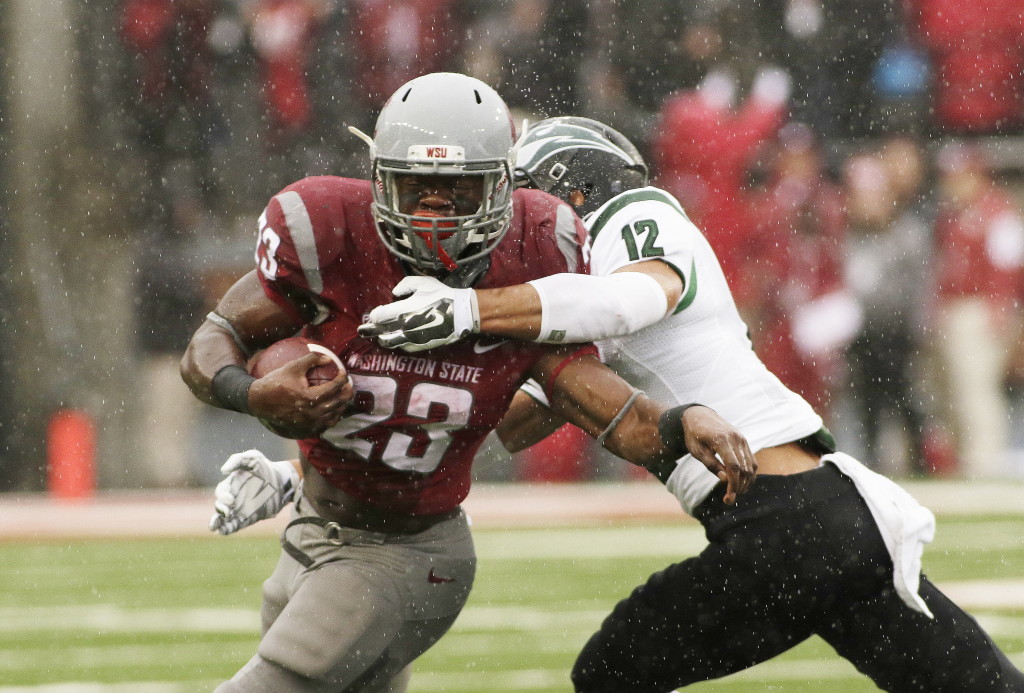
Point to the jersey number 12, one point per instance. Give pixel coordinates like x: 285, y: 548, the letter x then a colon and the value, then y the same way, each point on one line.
x: 649, y: 230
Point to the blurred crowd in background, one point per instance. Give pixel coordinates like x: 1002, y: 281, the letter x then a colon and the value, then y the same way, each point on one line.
x: 857, y: 167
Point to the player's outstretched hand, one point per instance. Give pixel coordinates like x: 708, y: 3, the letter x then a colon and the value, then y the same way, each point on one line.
x: 254, y: 489
x: 429, y: 314
x: 722, y: 449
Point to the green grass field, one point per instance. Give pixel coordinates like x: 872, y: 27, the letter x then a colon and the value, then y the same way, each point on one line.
x: 179, y: 615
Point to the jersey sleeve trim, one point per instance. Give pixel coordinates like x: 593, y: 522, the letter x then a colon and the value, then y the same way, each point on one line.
x: 629, y: 197
x: 301, y: 227
x: 691, y: 287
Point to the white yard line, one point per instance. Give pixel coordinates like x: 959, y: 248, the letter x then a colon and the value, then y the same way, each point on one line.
x: 473, y: 623
x: 178, y: 512
x: 107, y: 618
x: 1005, y: 593
x: 978, y: 595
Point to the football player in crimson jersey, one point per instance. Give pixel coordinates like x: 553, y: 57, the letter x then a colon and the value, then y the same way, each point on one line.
x: 378, y: 561
x: 820, y: 545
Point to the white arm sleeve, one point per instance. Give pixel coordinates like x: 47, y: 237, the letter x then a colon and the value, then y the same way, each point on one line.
x: 585, y: 308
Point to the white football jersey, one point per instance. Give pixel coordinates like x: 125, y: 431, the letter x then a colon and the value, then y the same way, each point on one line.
x: 701, y: 352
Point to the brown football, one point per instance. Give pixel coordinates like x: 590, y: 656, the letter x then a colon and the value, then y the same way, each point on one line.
x: 286, y: 351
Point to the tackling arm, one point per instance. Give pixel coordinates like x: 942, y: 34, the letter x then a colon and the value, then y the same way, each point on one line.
x: 588, y: 394
x: 575, y: 308
x: 569, y: 308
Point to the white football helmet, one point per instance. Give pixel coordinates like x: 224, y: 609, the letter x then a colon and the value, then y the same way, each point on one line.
x: 443, y: 124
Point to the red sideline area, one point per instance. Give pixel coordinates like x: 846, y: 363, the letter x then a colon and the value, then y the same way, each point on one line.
x: 177, y: 512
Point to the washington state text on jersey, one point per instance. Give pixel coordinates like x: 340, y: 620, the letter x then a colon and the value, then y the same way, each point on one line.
x: 429, y: 368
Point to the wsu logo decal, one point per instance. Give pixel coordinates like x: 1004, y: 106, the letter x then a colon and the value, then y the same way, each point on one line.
x: 434, y: 152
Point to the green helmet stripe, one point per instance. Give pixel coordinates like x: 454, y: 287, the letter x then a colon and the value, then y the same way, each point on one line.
x: 553, y: 146
x: 566, y: 137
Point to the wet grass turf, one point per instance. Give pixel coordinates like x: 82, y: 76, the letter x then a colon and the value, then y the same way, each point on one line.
x: 178, y: 615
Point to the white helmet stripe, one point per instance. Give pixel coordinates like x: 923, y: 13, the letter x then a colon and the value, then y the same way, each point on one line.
x: 565, y: 234
x: 301, y: 228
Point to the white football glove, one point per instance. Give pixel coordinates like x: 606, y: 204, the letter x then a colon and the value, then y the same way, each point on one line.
x: 255, y: 489
x: 430, y: 314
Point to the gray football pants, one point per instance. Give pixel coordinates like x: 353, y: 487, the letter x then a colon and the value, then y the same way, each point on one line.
x: 366, y: 606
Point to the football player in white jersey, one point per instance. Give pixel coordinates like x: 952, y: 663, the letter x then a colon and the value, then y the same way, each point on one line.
x: 819, y: 545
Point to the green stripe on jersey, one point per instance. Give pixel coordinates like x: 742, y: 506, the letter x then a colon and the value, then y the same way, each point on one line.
x: 631, y: 196
x: 691, y: 288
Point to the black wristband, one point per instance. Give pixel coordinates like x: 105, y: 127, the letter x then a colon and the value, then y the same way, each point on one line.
x: 670, y: 428
x: 230, y: 387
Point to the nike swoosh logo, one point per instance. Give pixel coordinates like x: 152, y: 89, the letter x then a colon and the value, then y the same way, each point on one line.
x: 482, y: 349
x: 437, y: 579
x: 435, y: 319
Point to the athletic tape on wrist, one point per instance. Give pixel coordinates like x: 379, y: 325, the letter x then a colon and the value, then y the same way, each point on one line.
x: 230, y: 388
x: 670, y: 429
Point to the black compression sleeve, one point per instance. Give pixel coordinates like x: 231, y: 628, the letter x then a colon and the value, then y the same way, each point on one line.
x: 230, y: 387
x: 670, y: 428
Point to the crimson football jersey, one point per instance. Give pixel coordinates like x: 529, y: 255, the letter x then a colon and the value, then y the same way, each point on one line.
x: 417, y: 419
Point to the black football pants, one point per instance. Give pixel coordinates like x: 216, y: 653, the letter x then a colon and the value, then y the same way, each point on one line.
x: 796, y: 556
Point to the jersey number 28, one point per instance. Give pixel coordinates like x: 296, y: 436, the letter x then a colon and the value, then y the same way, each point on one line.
x: 396, y: 453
